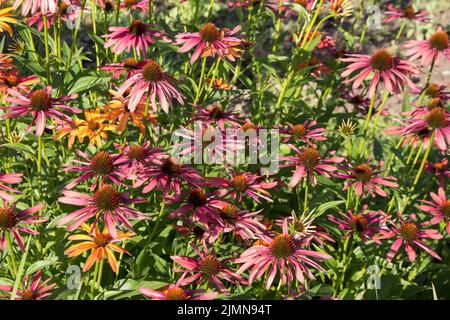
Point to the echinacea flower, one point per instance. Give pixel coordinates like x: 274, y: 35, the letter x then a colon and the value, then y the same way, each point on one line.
x: 431, y: 49
x: 434, y: 91
x: 280, y: 255
x: 437, y: 121
x: 305, y: 132
x: 197, y: 205
x: 341, y: 8
x: 176, y: 292
x: 9, y: 178
x: 216, y: 114
x: 135, y: 5
x: 303, y: 229
x: 40, y: 104
x: 393, y: 71
x: 14, y: 222
x: 409, y: 233
x: 101, y: 245
x: 242, y: 223
x: 150, y: 79
x: 93, y: 127
x: 239, y: 184
x: 439, y: 168
x: 5, y: 62
x: 309, y: 162
x: 168, y: 175
x: 12, y: 80
x: 103, y: 166
x: 365, y: 224
x: 211, y: 41
x: 439, y: 208
x: 137, y: 35
x: 207, y: 268
x: 407, y: 12
x: 106, y: 202
x: 33, y: 6
x: 31, y: 290
x: 138, y: 157
x: 368, y: 177
x: 129, y: 65
x: 6, y: 17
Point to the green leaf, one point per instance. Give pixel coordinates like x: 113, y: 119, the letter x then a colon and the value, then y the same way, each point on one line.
x: 40, y: 265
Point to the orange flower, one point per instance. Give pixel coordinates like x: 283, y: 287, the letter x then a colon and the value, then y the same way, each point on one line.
x: 5, y: 17
x: 117, y: 111
x: 92, y: 127
x: 101, y: 245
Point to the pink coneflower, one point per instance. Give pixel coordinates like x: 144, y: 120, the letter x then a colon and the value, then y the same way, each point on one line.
x: 305, y: 132
x: 439, y: 169
x: 106, y: 202
x: 393, y: 71
x: 240, y: 183
x: 408, y: 233
x: 207, y: 268
x: 176, y: 292
x: 14, y: 222
x: 242, y: 223
x: 207, y: 143
x: 407, y: 12
x: 12, y: 80
x: 103, y: 166
x: 137, y: 35
x: 151, y: 79
x: 364, y: 224
x: 431, y: 49
x: 216, y: 114
x: 33, y: 6
x: 135, y: 5
x: 40, y: 104
x: 304, y: 231
x: 436, y: 120
x: 434, y: 91
x: 211, y: 41
x: 197, y: 205
x: 34, y: 290
x: 65, y: 15
x: 360, y: 102
x: 366, y: 176
x: 129, y: 65
x: 439, y: 208
x: 168, y: 175
x: 138, y: 157
x: 9, y: 178
x: 309, y: 162
x: 281, y: 254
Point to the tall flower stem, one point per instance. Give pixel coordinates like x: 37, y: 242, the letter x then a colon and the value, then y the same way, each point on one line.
x: 305, y: 201
x: 278, y: 26
x: 427, y: 83
x: 419, y: 173
x: 94, y: 278
x: 200, y: 81
x: 100, y: 273
x: 11, y: 254
x: 366, y: 124
x: 21, y: 270
x: 311, y: 24
x: 401, y: 30
x: 155, y: 227
x: 39, y: 165
x: 377, y: 117
x: 94, y: 30
x: 47, y: 50
x: 150, y: 11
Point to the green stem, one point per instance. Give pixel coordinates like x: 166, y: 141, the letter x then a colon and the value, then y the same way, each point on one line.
x: 401, y: 30
x: 305, y: 202
x: 39, y: 165
x: 419, y: 173
x: 311, y: 24
x: 366, y: 123
x: 21, y: 270
x: 11, y: 253
x: 94, y: 30
x: 200, y: 81
x: 47, y: 51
